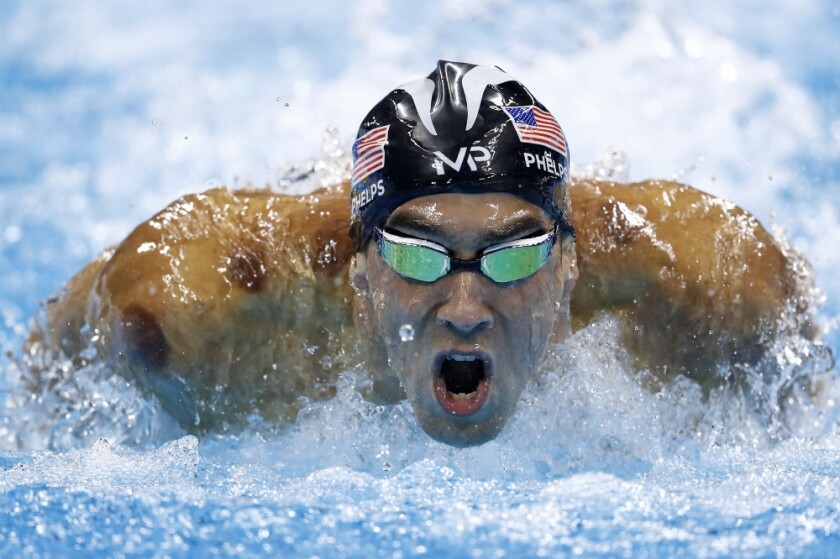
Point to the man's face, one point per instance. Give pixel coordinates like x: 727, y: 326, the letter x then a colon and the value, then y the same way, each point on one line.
x: 463, y: 346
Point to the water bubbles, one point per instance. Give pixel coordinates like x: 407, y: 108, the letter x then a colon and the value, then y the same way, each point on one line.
x: 406, y: 332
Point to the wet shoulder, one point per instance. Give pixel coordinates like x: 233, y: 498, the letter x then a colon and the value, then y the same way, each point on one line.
x: 204, y: 249
x: 689, y: 271
x: 212, y: 284
x: 674, y: 227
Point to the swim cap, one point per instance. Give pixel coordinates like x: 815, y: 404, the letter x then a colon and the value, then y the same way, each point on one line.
x: 465, y: 128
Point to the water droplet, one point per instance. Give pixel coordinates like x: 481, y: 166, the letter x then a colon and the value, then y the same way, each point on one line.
x: 406, y: 332
x: 386, y: 467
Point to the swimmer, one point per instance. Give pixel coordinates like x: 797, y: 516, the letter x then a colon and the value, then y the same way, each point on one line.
x: 463, y: 269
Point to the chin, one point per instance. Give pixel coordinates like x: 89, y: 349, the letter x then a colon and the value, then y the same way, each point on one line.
x: 459, y: 434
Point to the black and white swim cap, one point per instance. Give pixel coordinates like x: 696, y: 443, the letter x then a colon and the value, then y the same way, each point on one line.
x: 465, y: 128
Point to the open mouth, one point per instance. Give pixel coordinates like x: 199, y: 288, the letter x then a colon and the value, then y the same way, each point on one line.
x: 462, y: 382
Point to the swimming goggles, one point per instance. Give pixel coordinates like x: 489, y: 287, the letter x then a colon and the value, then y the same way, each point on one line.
x: 426, y: 261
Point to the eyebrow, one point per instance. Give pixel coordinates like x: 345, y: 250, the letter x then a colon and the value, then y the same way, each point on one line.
x: 415, y: 225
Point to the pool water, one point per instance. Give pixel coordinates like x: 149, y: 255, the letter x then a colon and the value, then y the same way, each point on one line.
x: 592, y: 464
x: 110, y: 111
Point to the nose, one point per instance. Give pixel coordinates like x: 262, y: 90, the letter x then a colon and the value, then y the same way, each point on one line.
x: 464, y: 309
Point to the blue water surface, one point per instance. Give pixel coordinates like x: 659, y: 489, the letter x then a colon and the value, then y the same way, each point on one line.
x: 110, y: 110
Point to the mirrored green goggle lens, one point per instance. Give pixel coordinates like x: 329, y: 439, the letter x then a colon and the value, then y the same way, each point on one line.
x: 415, y: 262
x: 514, y: 263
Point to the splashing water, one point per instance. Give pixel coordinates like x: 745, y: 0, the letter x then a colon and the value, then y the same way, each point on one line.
x: 612, y: 166
x: 591, y: 462
x: 331, y: 167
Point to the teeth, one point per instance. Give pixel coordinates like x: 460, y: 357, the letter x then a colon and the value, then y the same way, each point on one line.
x: 463, y: 357
x: 462, y: 396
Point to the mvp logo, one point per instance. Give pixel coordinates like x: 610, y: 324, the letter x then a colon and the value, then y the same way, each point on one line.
x: 481, y: 154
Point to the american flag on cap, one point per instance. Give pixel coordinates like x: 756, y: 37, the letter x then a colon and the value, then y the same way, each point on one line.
x: 537, y: 126
x: 369, y: 153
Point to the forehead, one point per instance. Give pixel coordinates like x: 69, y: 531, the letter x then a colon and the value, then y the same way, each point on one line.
x: 469, y: 218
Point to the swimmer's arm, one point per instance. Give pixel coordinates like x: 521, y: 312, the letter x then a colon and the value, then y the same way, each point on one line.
x: 697, y: 281
x: 221, y: 292
x: 60, y: 326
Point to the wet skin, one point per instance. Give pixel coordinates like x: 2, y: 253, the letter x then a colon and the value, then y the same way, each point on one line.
x: 207, y: 304
x: 465, y: 315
